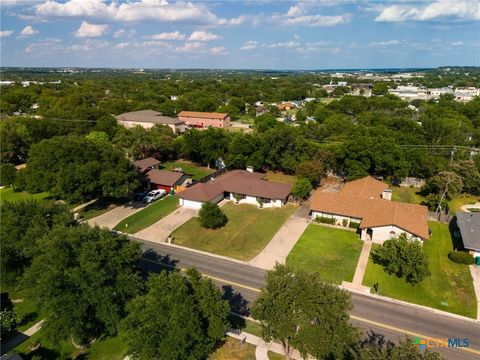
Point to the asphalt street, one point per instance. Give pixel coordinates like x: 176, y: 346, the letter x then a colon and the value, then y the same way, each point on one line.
x: 392, y: 321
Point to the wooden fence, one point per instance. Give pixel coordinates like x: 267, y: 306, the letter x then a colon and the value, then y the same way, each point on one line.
x: 440, y: 217
x: 207, y: 178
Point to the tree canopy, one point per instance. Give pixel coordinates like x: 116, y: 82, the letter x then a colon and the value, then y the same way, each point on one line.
x: 211, y: 216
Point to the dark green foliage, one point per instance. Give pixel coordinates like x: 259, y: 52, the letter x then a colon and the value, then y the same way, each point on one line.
x: 300, y: 311
x: 8, y: 173
x: 77, y: 169
x: 313, y: 170
x: 83, y: 277
x: 379, y: 88
x: 461, y: 257
x: 22, y: 225
x: 178, y: 318
x: 446, y: 182
x: 211, y: 216
x: 302, y: 188
x: 8, y: 323
x: 325, y: 220
x: 404, y: 258
x: 353, y: 225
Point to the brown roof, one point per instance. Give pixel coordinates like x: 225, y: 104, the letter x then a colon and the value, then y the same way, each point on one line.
x: 205, y: 115
x: 163, y: 177
x: 240, y: 182
x: 366, y: 187
x: 148, y: 116
x: 146, y: 163
x: 373, y: 212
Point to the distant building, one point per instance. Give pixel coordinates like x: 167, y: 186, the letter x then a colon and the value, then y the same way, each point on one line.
x: 148, y: 118
x: 284, y: 106
x: 204, y: 119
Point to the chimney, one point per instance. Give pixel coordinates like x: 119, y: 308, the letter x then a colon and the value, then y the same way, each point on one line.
x: 250, y: 169
x: 387, y: 194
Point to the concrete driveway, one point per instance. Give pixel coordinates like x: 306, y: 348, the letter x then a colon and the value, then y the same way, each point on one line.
x: 114, y: 216
x: 160, y: 231
x: 283, y: 242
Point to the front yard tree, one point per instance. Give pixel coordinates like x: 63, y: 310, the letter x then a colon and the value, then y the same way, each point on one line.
x: 378, y: 349
x: 302, y: 188
x: 178, y: 318
x: 83, y: 278
x: 8, y: 173
x: 313, y: 170
x: 211, y: 216
x: 303, y: 312
x: 404, y: 258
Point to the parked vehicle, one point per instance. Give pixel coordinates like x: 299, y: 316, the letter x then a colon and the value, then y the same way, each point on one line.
x: 140, y: 195
x: 154, y: 195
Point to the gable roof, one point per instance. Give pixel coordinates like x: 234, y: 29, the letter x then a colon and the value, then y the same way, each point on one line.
x: 203, y: 115
x: 148, y: 116
x: 469, y: 225
x: 240, y: 182
x: 163, y: 177
x: 371, y: 208
x: 145, y: 164
x: 366, y: 187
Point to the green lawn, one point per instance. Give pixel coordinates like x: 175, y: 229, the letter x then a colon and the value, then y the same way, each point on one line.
x: 247, y: 232
x: 148, y: 216
x: 280, y: 177
x: 231, y: 349
x: 449, y: 288
x: 406, y: 195
x: 455, y: 204
x: 7, y: 194
x: 248, y: 326
x: 332, y: 253
x: 196, y: 171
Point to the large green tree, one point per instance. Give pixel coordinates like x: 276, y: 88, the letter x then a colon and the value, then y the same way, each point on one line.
x: 301, y: 311
x: 178, y: 318
x: 404, y: 258
x: 22, y: 225
x: 83, y: 277
x: 376, y: 348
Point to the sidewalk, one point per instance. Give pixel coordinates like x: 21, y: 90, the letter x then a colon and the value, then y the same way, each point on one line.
x: 360, y: 270
x: 283, y: 242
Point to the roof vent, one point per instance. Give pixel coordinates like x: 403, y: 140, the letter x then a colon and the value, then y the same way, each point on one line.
x: 387, y: 194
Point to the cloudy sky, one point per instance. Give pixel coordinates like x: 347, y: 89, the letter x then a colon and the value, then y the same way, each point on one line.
x: 240, y: 34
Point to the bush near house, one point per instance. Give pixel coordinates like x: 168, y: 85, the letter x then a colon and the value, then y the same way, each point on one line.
x: 211, y: 216
x: 325, y: 220
x: 353, y: 225
x: 461, y: 257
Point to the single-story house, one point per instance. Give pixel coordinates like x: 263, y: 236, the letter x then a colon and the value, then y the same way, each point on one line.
x: 204, y: 119
x: 469, y: 226
x: 244, y: 186
x: 149, y: 118
x: 167, y: 180
x: 366, y: 203
x: 286, y: 106
x: 146, y: 164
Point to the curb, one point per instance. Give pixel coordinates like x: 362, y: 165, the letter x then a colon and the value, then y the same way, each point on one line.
x: 411, y: 305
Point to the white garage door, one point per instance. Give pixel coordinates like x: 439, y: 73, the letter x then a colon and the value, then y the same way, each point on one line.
x: 192, y: 204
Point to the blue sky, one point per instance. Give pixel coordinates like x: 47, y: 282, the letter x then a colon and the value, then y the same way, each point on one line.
x: 240, y: 34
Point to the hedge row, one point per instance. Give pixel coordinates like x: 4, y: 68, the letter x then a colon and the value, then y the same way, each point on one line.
x: 325, y: 220
x: 460, y: 257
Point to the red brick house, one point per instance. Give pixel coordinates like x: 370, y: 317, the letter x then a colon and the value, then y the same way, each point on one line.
x: 204, y: 119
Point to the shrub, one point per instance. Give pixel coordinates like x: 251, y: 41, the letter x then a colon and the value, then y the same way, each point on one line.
x: 353, y: 225
x: 302, y: 188
x: 325, y: 220
x: 344, y: 222
x: 8, y: 322
x: 460, y: 257
x: 211, y: 216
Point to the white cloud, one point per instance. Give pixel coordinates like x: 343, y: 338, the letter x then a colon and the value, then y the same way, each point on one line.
x: 88, y: 45
x: 250, y: 45
x: 459, y: 9
x: 131, y: 11
x: 5, y: 33
x: 219, y: 50
x: 200, y: 35
x: 119, y: 33
x: 87, y: 30
x: 287, y: 45
x: 176, y: 35
x: 28, y: 31
x: 302, y: 14
x: 458, y: 43
x: 48, y: 46
x: 384, y: 43
x: 191, y: 47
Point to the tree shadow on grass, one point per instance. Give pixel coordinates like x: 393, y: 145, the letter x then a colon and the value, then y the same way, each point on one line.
x: 29, y: 317
x: 457, y: 242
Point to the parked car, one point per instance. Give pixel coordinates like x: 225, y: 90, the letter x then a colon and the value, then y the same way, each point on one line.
x: 140, y: 195
x: 154, y: 195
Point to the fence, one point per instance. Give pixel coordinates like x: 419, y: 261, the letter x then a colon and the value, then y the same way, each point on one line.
x: 207, y: 178
x: 440, y: 217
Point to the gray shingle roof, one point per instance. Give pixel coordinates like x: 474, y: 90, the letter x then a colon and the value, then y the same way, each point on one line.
x: 469, y: 225
x: 149, y: 116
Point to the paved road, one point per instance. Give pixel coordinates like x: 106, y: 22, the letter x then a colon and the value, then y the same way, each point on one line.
x: 379, y: 316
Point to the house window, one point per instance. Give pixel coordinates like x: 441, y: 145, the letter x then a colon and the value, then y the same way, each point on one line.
x: 392, y: 234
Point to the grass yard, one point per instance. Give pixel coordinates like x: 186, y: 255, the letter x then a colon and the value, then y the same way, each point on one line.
x: 332, y: 253
x: 248, y: 326
x: 280, y: 177
x: 247, y: 232
x: 455, y: 204
x: 406, y: 194
x: 148, y: 216
x: 231, y: 350
x: 449, y: 288
x: 7, y: 194
x: 196, y: 171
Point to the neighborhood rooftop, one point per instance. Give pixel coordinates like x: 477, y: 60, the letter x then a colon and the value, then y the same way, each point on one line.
x: 238, y: 182
x: 164, y: 177
x: 146, y: 163
x: 199, y: 114
x: 149, y: 116
x: 469, y: 225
